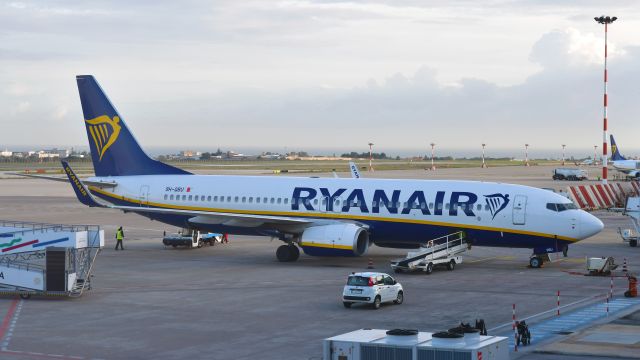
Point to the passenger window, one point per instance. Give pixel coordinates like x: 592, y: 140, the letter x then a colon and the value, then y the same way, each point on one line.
x: 165, y: 196
x: 221, y: 198
x: 265, y: 200
x: 279, y: 200
x: 430, y: 205
x: 286, y: 201
x: 258, y: 200
x: 236, y: 199
x: 251, y: 199
x: 486, y: 207
x: 196, y: 198
x: 228, y: 198
x: 315, y: 201
x: 447, y: 206
x: 244, y: 199
x: 171, y: 197
x: 209, y: 198
x: 374, y: 204
x: 184, y: 197
x: 273, y: 200
x: 190, y: 197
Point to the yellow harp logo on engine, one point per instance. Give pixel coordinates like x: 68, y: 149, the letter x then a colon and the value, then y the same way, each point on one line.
x: 104, y: 132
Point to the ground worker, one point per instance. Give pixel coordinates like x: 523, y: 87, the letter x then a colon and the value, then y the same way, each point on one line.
x: 119, y: 238
x: 225, y: 238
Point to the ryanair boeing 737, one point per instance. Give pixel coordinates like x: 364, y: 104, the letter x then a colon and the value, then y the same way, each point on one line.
x: 321, y: 216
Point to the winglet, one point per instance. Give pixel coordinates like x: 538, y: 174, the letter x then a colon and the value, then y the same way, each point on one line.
x: 81, y: 191
x: 354, y: 170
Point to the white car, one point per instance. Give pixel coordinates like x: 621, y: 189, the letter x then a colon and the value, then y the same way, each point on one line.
x: 371, y: 288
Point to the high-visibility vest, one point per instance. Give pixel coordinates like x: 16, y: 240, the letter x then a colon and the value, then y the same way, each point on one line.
x: 119, y: 234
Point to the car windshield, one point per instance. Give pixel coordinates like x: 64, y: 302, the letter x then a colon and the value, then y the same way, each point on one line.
x: 358, y: 281
x: 561, y: 207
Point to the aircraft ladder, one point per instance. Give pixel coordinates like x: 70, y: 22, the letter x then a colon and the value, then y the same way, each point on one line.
x: 442, y: 250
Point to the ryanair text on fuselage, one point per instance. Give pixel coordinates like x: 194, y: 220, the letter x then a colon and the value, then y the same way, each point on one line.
x: 458, y: 200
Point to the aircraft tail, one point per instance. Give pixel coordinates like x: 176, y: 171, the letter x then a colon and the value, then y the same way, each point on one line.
x: 114, y: 150
x: 615, y: 153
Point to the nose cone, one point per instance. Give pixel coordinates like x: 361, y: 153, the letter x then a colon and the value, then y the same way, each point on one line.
x: 589, y: 225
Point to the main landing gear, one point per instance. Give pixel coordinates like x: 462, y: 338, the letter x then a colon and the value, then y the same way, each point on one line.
x: 536, y: 261
x: 288, y: 253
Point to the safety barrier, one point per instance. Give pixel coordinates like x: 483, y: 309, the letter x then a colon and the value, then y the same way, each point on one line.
x: 603, y: 196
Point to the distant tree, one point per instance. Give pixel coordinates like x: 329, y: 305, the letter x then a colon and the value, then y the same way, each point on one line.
x: 205, y: 156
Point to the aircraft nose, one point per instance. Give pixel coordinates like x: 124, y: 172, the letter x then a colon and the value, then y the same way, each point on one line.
x: 589, y: 225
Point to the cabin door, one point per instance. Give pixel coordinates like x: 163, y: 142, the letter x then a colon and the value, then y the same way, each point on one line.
x: 519, y: 209
x: 144, y: 195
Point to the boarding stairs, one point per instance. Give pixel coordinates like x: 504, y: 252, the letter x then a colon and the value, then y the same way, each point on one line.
x: 47, y: 259
x: 442, y: 250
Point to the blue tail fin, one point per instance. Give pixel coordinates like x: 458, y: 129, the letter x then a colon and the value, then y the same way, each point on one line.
x: 114, y: 150
x: 615, y: 153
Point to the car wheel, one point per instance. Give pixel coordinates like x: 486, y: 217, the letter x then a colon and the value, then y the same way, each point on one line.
x: 429, y: 269
x: 347, y: 304
x: 399, y: 298
x: 376, y: 303
x: 451, y: 265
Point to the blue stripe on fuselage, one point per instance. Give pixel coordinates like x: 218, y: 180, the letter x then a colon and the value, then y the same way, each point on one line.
x: 384, y: 233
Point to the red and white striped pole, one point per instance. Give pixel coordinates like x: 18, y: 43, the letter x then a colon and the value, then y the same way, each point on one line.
x: 606, y: 20
x: 433, y: 166
x: 515, y: 329
x: 558, y: 314
x: 611, y: 291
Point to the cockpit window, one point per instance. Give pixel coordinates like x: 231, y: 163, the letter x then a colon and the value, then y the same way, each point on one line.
x: 561, y: 207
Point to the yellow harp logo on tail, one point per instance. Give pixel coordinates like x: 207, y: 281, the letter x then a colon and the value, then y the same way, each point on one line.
x: 104, y: 132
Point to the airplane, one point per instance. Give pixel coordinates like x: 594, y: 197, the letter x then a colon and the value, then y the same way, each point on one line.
x: 321, y: 216
x: 629, y: 167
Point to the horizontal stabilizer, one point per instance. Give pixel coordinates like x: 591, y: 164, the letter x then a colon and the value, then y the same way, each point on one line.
x: 81, y: 191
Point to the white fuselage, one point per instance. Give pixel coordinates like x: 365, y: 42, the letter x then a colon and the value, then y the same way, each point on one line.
x: 396, y: 211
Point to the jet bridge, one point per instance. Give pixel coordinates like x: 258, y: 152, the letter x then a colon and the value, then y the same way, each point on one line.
x: 444, y: 250
x: 47, y: 259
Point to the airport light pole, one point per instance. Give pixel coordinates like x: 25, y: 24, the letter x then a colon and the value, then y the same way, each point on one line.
x: 563, y: 146
x: 595, y: 153
x: 526, y: 154
x: 484, y: 164
x: 605, y: 20
x: 370, y: 156
x: 433, y: 145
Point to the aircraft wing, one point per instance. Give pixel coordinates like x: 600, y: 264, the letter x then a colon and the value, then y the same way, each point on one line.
x: 196, y: 216
x: 101, y: 184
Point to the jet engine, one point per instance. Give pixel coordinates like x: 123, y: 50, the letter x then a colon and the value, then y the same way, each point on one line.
x: 335, y: 240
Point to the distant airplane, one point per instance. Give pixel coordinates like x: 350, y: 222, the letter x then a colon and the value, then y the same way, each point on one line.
x: 588, y: 162
x: 321, y: 216
x: 629, y: 167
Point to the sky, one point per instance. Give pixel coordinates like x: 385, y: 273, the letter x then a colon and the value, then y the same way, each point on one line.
x: 324, y: 75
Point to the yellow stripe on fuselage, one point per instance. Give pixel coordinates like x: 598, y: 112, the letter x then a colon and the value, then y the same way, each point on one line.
x: 327, y: 246
x: 328, y: 216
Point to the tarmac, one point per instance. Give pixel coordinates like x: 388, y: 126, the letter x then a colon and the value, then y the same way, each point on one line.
x: 236, y: 301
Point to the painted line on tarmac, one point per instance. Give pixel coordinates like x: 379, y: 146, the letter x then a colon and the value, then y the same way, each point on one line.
x: 37, y: 355
x: 8, y: 323
x: 491, y: 258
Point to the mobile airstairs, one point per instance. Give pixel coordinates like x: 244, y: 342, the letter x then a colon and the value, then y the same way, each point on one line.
x: 47, y: 259
x: 444, y: 250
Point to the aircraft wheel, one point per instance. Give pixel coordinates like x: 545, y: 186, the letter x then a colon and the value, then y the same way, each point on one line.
x: 283, y: 253
x: 535, y: 262
x: 25, y: 296
x: 295, y: 252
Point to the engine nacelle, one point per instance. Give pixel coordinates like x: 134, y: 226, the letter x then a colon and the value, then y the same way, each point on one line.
x: 335, y: 240
x: 634, y: 174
